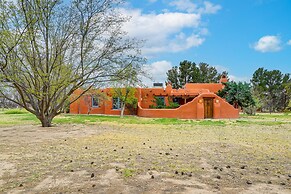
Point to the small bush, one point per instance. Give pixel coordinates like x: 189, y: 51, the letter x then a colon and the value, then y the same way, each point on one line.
x: 173, y: 105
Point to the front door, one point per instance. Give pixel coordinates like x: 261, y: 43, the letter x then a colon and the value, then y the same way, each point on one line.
x: 208, y: 108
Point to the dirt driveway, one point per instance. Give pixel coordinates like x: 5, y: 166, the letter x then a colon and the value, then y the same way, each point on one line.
x: 116, y: 158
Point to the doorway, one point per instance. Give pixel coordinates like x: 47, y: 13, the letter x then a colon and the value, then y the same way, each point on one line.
x: 208, y: 108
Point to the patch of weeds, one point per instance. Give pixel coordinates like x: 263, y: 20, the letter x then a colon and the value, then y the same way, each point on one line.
x: 242, y: 122
x: 172, y: 165
x: 264, y: 116
x: 127, y: 172
x: 167, y: 121
x: 33, y: 177
x: 211, y: 123
x: 269, y: 123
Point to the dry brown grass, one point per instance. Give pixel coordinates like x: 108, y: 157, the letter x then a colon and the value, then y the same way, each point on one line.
x: 145, y: 158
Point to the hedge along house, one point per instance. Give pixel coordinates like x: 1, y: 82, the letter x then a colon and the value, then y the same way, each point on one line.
x: 195, y: 101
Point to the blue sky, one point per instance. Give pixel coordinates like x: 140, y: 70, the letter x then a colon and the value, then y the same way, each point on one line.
x: 233, y: 35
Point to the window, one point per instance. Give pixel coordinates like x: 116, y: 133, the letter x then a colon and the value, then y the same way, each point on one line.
x: 176, y: 100
x: 160, y: 101
x: 95, y: 101
x: 116, y: 103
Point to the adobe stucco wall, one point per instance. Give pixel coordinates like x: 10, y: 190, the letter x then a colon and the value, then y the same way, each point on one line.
x: 83, y: 104
x: 186, y: 111
x: 147, y: 96
x: 221, y: 108
x: 193, y: 109
x: 224, y: 110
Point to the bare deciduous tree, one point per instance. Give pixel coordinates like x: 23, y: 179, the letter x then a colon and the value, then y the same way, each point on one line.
x: 50, y: 48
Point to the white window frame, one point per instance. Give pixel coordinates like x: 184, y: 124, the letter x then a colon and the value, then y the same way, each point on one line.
x: 118, y: 103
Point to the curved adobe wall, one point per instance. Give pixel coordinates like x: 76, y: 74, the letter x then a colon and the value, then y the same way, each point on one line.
x: 226, y: 111
x: 193, y: 109
x: 186, y: 111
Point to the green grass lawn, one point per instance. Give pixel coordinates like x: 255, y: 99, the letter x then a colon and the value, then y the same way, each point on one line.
x: 19, y: 116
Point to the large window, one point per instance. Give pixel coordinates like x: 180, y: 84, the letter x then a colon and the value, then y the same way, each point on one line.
x: 116, y: 104
x: 95, y: 101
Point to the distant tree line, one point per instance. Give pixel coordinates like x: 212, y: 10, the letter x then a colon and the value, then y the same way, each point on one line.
x: 190, y: 72
x: 268, y: 91
x: 271, y: 89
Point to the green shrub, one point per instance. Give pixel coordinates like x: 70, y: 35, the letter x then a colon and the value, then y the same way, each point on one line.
x: 160, y: 104
x: 173, y: 105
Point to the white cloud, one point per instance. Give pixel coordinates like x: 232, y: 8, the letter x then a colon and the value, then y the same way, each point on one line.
x: 289, y: 42
x: 239, y: 79
x: 268, y: 44
x: 170, y: 31
x: 163, y: 32
x: 157, y: 71
x: 184, y: 5
x: 189, y: 6
x: 221, y: 68
x: 210, y: 8
x: 184, y: 42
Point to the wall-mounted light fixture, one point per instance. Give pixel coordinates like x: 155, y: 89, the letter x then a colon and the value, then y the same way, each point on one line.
x: 217, y: 101
x: 200, y: 101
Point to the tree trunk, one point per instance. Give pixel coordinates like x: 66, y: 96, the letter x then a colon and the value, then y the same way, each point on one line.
x: 46, y: 121
x: 89, y: 110
x: 122, y: 110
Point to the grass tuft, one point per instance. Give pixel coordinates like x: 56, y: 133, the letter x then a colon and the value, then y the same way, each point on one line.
x: 127, y: 172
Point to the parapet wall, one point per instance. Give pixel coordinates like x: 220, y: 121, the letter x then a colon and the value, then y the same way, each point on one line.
x: 186, y: 111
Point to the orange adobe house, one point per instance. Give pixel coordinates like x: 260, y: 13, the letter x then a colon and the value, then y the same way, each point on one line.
x: 196, y: 100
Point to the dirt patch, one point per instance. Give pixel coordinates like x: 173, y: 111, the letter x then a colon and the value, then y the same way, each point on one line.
x: 7, y: 168
x: 51, y: 182
x: 115, y: 158
x: 111, y: 177
x: 1, y: 183
x: 264, y: 188
x: 34, y: 134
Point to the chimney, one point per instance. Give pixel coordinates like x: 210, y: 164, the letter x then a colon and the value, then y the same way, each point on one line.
x: 223, y: 79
